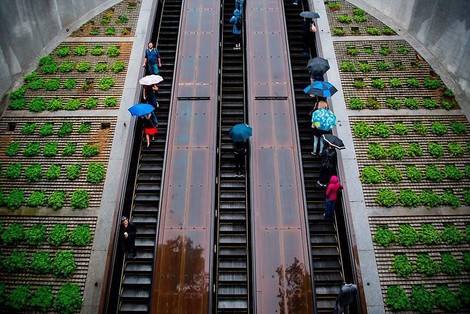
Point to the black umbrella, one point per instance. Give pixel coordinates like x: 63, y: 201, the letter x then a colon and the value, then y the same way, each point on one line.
x: 318, y: 66
x: 334, y: 141
x: 310, y: 15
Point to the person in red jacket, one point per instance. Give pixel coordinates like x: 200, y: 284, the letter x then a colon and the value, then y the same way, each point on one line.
x: 331, y: 196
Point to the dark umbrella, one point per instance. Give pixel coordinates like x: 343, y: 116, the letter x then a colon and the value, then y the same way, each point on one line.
x: 320, y: 88
x: 334, y: 141
x: 310, y: 15
x: 318, y: 65
x: 240, y: 132
x: 141, y: 109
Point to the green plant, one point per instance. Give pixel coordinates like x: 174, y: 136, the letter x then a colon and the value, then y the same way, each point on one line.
x: 42, y: 299
x: 446, y: 299
x: 378, y: 83
x: 15, y: 199
x: 118, y: 66
x: 429, y: 235
x: 66, y: 66
x: 426, y: 266
x: 73, y: 171
x: 110, y: 102
x: 452, y: 172
x: 36, y: 84
x: 28, y: 128
x: 398, y: 65
x: 50, y: 149
x: 333, y: 5
x: 69, y: 149
x: 448, y: 92
x: 395, y: 82
x: 52, y: 84
x: 448, y: 105
x: 53, y: 172
x: 393, y: 103
x: 338, y: 31
x: 396, y: 151
x: 420, y: 128
x: 431, y: 83
x: 429, y: 198
x: 365, y: 67
x: 371, y: 175
x: 33, y: 76
x: 409, y: 198
x: 403, y: 50
x: 383, y: 66
x: 65, y: 129
x: 467, y: 170
x: 19, y: 93
x: 430, y: 104
x: 68, y: 299
x: 69, y: 84
x: 81, y: 50
x: 458, y: 128
x: 360, y: 18
x: 46, y: 60
x: 466, y: 197
x: 414, y: 150
x: 40, y: 263
x: 110, y: 31
x: 64, y: 264
x: 435, y: 150
x: 85, y: 127
x: 359, y: 83
x: 122, y: 19
x: 90, y: 150
x: 97, y: 50
x: 80, y: 199
x: 14, y: 171
x: 18, y: 104
x: 384, y: 236
x: 348, y: 66
x: 13, y: 234
x: 126, y: 31
x: 451, y: 235
x: 381, y: 129
x: 422, y: 299
x: 46, y: 129
x: 3, y: 295
x: 36, y: 235
x: 37, y: 105
x: 95, y: 173
x: 12, y: 149
x: 84, y: 66
x: 455, y: 149
x: 37, y: 198
x: 73, y: 104
x: 344, y: 19
x: 352, y: 50
x: 368, y: 50
x: 106, y: 83
x: 386, y: 197
x: 412, y: 82
x: 18, y: 299
x: 55, y: 104
x: 33, y: 172
x: 385, y: 50
x: 397, y: 299
x: 402, y: 266
x: 387, y: 31
x: 63, y: 51
x: 81, y: 235
x: 377, y: 151
x: 58, y: 235
x: 113, y: 51
x: 438, y: 128
x: 362, y: 130
x: 50, y: 68
x: 90, y: 103
x: 94, y: 31
x: 407, y: 235
x: 373, y: 31
x: 32, y: 149
x: 450, y: 265
x: 392, y: 174
x: 434, y: 173
x: 101, y: 67
x: 16, y: 262
x: 56, y: 200
x: 466, y: 259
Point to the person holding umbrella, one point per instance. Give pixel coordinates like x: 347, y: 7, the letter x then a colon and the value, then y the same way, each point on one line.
x: 239, y: 134
x: 147, y: 118
x: 317, y: 133
x: 150, y: 89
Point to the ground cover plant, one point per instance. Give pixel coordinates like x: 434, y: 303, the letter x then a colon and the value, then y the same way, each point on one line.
x: 80, y: 199
x: 426, y: 265
x: 68, y: 299
x: 80, y: 236
x: 33, y: 172
x: 58, y: 235
x: 56, y: 200
x: 402, y: 266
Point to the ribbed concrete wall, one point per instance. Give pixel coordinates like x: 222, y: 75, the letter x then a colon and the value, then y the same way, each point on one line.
x: 32, y: 28
x: 441, y: 26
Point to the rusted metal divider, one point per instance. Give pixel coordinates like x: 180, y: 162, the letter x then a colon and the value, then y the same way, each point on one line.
x: 282, y: 263
x: 184, y: 254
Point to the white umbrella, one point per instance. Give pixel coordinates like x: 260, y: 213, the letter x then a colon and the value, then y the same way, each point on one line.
x: 150, y: 79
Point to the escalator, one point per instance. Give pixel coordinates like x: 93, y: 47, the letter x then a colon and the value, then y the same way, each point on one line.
x: 232, y: 256
x: 137, y: 274
x: 327, y: 265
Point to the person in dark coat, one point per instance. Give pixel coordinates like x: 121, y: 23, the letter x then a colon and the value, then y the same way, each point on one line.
x: 127, y: 236
x: 345, y: 298
x: 307, y: 36
x: 328, y: 162
x: 150, y: 94
x: 239, y: 151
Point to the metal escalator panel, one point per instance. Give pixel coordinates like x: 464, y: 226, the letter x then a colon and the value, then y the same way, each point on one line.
x: 137, y: 274
x: 327, y: 266
x: 232, y: 263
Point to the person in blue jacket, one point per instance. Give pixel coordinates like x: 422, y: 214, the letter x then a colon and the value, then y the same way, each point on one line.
x: 236, y: 20
x: 239, y: 5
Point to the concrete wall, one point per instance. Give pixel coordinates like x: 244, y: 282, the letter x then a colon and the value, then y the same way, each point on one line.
x: 442, y: 27
x: 32, y: 28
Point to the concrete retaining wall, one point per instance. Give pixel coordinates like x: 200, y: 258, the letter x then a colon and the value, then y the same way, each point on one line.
x: 32, y: 28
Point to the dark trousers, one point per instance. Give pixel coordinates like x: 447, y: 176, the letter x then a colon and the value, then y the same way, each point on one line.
x: 239, y: 163
x: 329, y: 208
x: 324, y: 175
x: 128, y: 245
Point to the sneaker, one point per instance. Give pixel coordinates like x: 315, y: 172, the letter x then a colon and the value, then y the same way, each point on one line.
x: 320, y: 184
x: 313, y: 153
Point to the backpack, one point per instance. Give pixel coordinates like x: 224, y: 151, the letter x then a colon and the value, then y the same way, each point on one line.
x: 239, y: 23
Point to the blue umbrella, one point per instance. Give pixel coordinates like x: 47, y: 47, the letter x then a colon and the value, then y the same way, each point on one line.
x: 141, y: 109
x: 324, y: 119
x: 320, y: 88
x: 240, y: 132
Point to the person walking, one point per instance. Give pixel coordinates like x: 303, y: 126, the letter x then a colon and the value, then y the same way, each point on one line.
x: 150, y: 126
x: 239, y: 152
x: 239, y: 5
x: 328, y: 161
x: 236, y: 20
x: 317, y: 133
x: 152, y: 59
x: 150, y: 94
x: 331, y: 195
x: 307, y: 35
x: 127, y: 234
x: 345, y: 298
